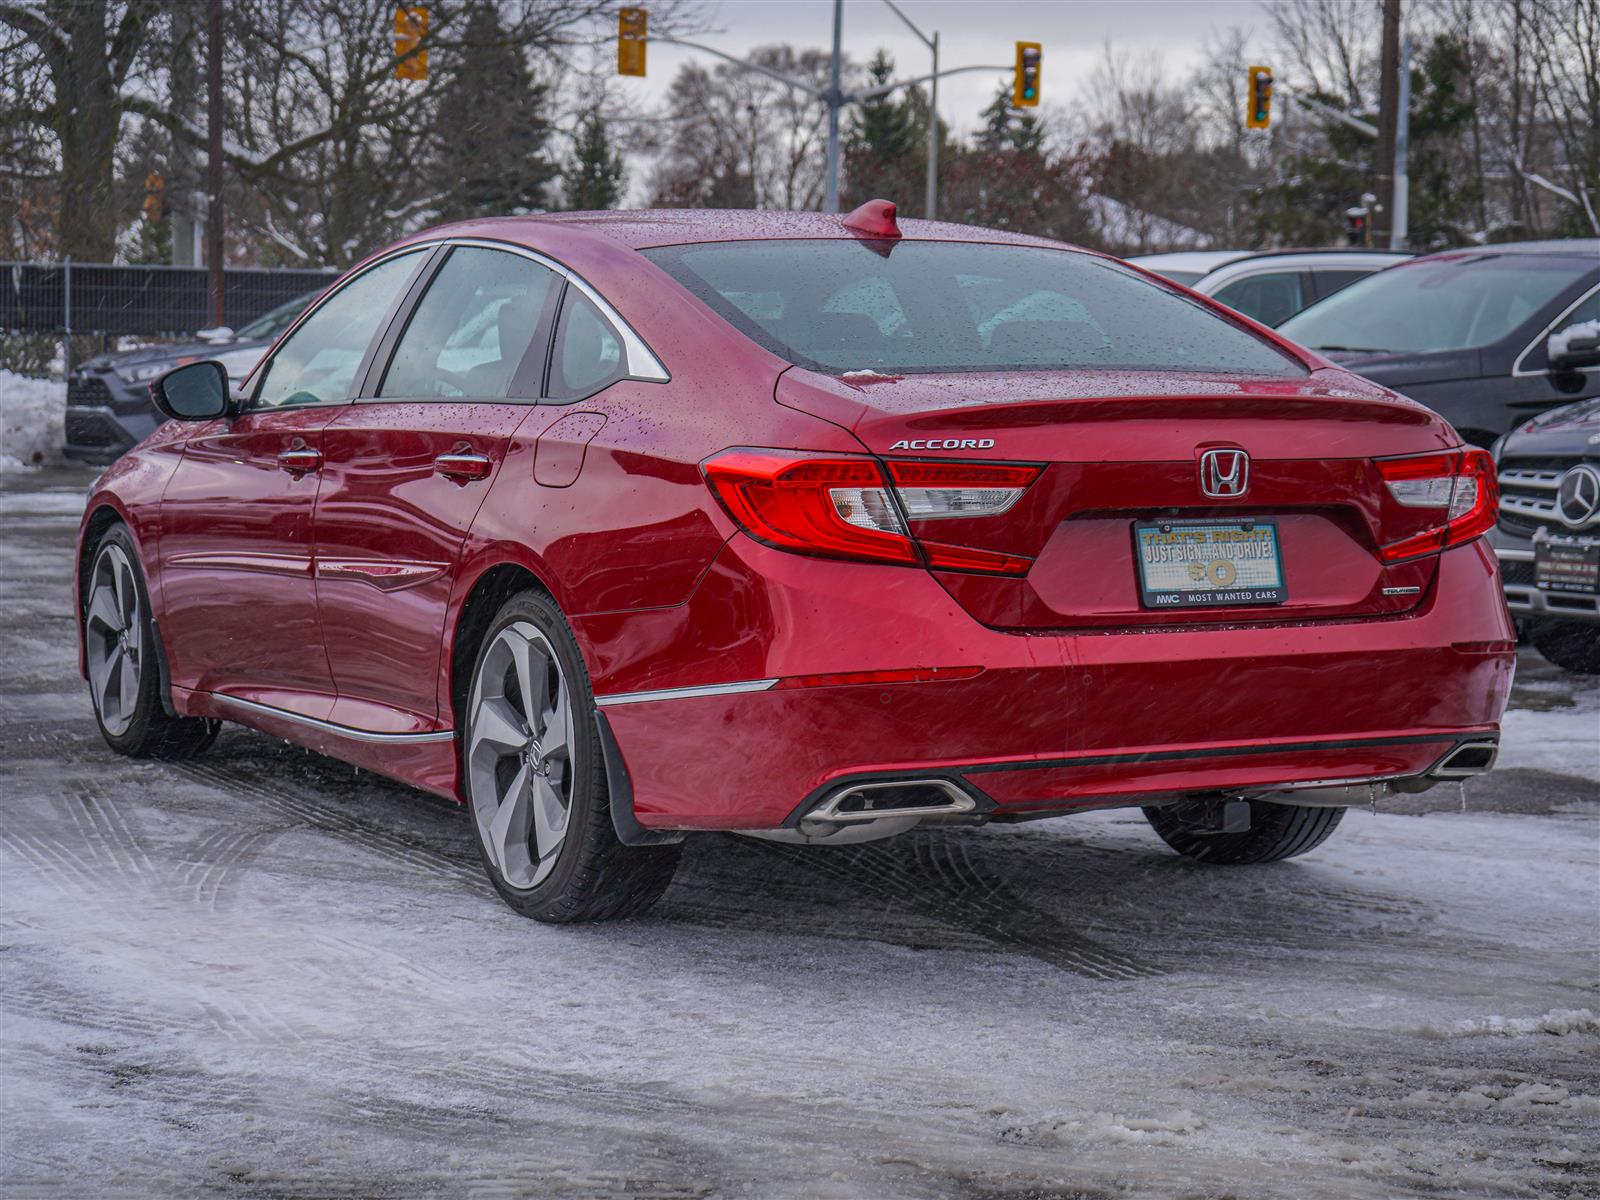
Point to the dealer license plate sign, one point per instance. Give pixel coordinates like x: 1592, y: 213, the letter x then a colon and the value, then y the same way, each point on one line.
x: 1219, y: 563
x: 1562, y: 564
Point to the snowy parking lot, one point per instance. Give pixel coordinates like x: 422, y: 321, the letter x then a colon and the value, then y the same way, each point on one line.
x: 264, y: 974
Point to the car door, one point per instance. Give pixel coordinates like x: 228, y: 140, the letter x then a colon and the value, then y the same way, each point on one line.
x: 239, y: 605
x: 406, y: 466
x: 1532, y: 388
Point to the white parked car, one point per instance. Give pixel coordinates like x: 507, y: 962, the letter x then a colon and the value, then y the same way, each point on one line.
x: 1270, y: 286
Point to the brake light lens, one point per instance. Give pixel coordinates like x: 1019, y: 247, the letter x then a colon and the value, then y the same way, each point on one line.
x: 843, y: 507
x: 1461, y: 484
x: 834, y: 507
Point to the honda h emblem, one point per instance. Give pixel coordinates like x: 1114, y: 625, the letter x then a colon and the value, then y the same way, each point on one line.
x: 1224, y: 473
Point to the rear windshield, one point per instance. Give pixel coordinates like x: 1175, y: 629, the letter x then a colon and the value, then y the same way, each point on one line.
x: 911, y: 308
x: 1442, y: 304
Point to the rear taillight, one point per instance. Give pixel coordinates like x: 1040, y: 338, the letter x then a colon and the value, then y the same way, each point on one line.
x: 842, y: 507
x: 1459, y: 484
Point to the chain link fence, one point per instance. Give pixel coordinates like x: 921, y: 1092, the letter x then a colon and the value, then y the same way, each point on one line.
x: 97, y: 298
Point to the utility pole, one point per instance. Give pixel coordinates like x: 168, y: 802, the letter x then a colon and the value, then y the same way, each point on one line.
x: 214, y: 160
x: 1399, y: 228
x: 835, y: 101
x: 930, y: 203
x: 1388, y: 113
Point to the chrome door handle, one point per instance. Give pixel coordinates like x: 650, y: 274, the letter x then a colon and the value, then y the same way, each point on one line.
x: 462, y: 464
x: 300, y: 460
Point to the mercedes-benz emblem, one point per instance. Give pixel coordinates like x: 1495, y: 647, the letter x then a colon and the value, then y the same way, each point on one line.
x: 1578, y: 499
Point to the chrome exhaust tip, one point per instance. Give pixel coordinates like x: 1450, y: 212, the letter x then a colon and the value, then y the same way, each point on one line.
x: 893, y: 798
x: 1466, y: 760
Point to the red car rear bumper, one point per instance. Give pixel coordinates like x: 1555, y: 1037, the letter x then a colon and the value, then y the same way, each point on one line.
x: 1052, y: 722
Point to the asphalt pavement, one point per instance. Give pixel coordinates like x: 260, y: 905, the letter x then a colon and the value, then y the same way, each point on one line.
x: 265, y: 974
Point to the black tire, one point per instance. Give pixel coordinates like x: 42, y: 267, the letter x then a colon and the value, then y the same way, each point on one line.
x: 594, y: 877
x: 1277, y: 831
x: 151, y: 731
x: 1571, y: 645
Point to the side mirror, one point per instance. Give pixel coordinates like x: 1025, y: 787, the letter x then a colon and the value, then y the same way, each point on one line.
x: 194, y: 392
x: 1575, y: 347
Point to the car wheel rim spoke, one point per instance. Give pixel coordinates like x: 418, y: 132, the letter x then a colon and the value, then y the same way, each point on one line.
x: 519, y: 751
x: 113, y: 638
x: 549, y: 816
x: 508, y: 830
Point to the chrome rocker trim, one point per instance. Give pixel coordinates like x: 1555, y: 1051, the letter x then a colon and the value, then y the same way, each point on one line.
x: 344, y: 731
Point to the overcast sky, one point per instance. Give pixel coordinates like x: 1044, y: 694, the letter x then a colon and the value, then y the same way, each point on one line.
x: 1073, y: 32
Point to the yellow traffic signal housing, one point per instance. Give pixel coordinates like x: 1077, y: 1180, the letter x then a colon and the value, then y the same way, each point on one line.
x: 155, y: 201
x: 1258, y: 104
x: 410, y: 27
x: 1025, y: 82
x: 633, y: 28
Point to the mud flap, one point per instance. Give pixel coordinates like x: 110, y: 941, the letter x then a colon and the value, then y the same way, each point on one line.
x: 620, y: 788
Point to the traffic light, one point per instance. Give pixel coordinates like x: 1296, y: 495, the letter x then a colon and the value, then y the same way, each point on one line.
x: 1355, y: 226
x: 1025, y: 82
x: 155, y: 199
x: 633, y: 28
x: 410, y: 27
x: 1258, y: 105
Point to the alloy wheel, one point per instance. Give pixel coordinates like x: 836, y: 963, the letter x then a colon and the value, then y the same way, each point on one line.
x: 520, y: 754
x: 114, y: 639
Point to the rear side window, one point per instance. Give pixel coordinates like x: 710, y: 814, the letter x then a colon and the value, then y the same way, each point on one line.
x: 1270, y: 299
x: 588, y: 353
x: 473, y: 328
x: 922, y: 307
x: 1329, y: 282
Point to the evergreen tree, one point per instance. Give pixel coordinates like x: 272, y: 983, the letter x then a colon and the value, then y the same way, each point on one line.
x: 884, y: 154
x: 595, y: 177
x: 491, y: 158
x: 1008, y: 128
x: 1444, y: 195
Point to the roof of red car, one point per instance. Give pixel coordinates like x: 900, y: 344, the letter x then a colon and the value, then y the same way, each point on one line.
x: 641, y: 228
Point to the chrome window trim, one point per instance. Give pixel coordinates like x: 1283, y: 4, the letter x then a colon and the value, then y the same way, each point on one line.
x: 252, y: 382
x: 642, y: 362
x: 344, y: 731
x: 1516, y: 367
x: 709, y: 689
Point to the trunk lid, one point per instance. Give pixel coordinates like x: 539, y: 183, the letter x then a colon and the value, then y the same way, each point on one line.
x: 1124, y: 447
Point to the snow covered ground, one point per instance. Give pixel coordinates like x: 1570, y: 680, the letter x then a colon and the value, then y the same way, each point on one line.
x: 31, y: 412
x: 264, y: 974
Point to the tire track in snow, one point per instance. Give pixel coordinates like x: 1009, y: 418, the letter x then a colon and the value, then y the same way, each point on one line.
x: 301, y: 806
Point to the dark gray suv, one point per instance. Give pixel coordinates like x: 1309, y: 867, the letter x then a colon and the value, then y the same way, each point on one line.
x: 1548, y: 539
x: 108, y: 396
x: 1464, y: 332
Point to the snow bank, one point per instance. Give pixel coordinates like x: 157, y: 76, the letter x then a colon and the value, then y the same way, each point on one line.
x: 31, y: 415
x: 1557, y: 1021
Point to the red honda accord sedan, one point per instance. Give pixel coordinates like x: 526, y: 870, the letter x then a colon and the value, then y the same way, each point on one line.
x: 614, y: 526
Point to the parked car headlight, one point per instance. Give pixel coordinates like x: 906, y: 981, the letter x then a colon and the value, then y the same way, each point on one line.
x: 141, y: 372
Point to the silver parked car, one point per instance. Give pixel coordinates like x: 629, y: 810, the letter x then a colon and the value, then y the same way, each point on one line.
x: 1269, y: 286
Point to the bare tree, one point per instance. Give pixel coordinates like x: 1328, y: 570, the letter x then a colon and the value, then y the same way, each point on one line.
x: 732, y: 138
x: 72, y: 70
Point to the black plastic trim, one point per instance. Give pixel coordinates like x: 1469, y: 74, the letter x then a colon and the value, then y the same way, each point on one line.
x: 623, y: 820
